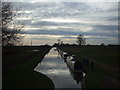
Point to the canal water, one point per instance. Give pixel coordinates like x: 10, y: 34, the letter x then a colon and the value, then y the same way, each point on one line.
x: 54, y: 67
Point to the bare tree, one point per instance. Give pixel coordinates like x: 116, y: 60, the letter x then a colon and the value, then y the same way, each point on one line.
x: 81, y: 40
x: 60, y: 42
x: 11, y: 30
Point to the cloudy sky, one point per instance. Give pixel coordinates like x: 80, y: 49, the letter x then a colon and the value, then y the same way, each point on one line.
x: 46, y: 22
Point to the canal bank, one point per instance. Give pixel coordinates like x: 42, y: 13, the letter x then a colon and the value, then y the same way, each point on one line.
x: 22, y: 74
x: 54, y: 67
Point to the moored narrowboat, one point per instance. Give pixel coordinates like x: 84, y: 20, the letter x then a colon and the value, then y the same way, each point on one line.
x: 74, y: 64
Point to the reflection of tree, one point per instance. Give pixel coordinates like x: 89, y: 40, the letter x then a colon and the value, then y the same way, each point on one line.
x: 81, y: 40
x: 11, y: 30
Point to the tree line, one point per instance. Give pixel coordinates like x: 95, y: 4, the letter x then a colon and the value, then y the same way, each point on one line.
x: 80, y: 40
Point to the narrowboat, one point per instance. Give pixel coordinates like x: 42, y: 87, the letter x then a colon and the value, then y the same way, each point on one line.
x: 74, y: 65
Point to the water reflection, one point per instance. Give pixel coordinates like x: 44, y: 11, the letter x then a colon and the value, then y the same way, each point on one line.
x: 77, y: 76
x: 55, y: 68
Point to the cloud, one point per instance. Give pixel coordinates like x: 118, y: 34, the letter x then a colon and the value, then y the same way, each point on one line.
x: 71, y: 33
x: 106, y: 27
x: 53, y: 32
x: 61, y: 20
x: 113, y: 19
x: 71, y: 18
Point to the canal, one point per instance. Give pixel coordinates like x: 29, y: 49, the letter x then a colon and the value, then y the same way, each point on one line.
x: 54, y: 67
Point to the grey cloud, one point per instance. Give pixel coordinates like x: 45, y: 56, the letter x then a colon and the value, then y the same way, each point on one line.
x: 44, y: 23
x: 69, y: 37
x: 49, y: 23
x: 113, y: 18
x: 66, y: 32
x: 80, y: 6
x: 106, y: 27
x: 95, y: 27
x: 52, y: 32
x: 71, y: 10
x: 40, y: 38
x: 101, y: 34
x: 68, y: 7
x: 26, y: 22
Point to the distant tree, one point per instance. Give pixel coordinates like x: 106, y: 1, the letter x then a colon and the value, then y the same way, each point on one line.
x: 102, y: 44
x: 81, y: 40
x: 60, y: 42
x: 11, y: 30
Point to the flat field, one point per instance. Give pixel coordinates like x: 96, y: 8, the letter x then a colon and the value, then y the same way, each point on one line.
x: 105, y: 69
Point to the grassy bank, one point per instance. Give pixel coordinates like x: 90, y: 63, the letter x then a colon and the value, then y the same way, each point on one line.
x: 18, y: 67
x: 105, y: 71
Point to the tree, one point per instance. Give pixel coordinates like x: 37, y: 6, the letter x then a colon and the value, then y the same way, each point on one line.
x: 60, y: 42
x: 102, y: 44
x: 81, y: 40
x: 11, y: 30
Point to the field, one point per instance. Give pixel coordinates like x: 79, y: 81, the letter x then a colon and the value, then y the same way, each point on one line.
x: 18, y: 65
x: 102, y: 68
x: 19, y: 62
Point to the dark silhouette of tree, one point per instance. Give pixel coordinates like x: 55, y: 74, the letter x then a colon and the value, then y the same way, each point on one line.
x: 81, y: 40
x: 102, y: 44
x: 60, y: 42
x: 11, y: 30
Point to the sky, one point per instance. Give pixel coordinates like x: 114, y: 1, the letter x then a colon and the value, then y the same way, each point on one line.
x: 46, y: 22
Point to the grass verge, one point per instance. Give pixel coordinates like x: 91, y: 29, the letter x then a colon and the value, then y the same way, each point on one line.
x: 106, y: 64
x: 22, y: 74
